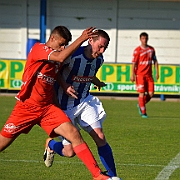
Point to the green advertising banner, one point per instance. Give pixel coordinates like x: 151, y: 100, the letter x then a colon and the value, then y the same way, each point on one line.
x: 11, y: 74
x: 116, y: 76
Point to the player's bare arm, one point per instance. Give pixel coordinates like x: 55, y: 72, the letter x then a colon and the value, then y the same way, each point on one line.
x: 68, y: 88
x: 132, y: 78
x: 157, y: 69
x: 55, y: 99
x: 60, y: 56
x: 97, y: 83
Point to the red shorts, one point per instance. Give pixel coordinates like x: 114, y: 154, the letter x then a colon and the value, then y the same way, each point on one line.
x: 144, y: 84
x: 25, y: 115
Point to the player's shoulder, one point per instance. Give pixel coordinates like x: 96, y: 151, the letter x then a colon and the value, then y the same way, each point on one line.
x: 137, y: 49
x: 78, y: 52
x: 39, y: 45
x: 101, y: 58
x: 150, y: 47
x: 72, y: 58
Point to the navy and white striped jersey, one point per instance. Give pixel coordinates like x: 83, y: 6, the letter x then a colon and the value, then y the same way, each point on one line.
x: 78, y: 71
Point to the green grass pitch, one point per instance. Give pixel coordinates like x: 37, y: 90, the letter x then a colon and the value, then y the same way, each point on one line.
x: 142, y: 147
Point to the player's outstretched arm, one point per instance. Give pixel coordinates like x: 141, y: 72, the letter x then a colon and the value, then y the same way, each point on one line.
x: 62, y: 55
x: 98, y: 84
x: 55, y: 99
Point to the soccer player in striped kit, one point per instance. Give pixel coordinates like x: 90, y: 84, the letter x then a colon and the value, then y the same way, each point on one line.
x: 143, y: 56
x: 78, y: 72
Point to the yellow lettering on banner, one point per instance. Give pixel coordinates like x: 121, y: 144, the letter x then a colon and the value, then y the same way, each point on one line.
x: 115, y: 72
x: 16, y: 72
x: 11, y: 74
x: 169, y: 75
x: 4, y: 74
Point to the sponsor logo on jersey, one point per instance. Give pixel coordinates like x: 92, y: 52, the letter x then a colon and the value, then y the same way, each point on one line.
x: 149, y: 51
x: 82, y: 79
x: 46, y: 79
x: 145, y: 62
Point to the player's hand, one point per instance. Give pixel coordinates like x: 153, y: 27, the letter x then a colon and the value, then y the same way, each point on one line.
x: 71, y: 91
x: 132, y: 78
x: 88, y: 33
x: 100, y: 85
x: 157, y: 76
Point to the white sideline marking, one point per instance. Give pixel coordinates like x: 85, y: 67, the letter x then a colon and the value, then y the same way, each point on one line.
x: 163, y: 175
x: 169, y: 169
x: 68, y: 162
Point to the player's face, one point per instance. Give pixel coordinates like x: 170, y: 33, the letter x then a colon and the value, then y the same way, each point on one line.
x: 144, y: 40
x: 58, y: 43
x: 98, y: 46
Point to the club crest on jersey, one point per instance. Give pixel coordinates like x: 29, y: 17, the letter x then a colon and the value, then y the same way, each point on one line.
x: 140, y: 87
x: 82, y: 79
x: 93, y: 67
x: 10, y: 128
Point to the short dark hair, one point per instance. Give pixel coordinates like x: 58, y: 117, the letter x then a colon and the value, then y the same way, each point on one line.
x: 63, y: 32
x: 144, y: 34
x: 101, y: 33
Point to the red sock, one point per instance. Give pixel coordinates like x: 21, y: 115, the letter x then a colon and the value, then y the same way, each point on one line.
x: 142, y: 105
x: 84, y: 154
x: 147, y: 98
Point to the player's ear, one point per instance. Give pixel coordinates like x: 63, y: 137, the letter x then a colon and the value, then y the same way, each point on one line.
x: 90, y: 40
x: 52, y: 37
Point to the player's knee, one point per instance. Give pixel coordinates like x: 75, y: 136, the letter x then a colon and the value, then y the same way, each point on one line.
x: 5, y: 142
x: 151, y: 94
x: 68, y: 150
x: 70, y: 154
x: 2, y: 147
x: 141, y: 94
x: 100, y: 139
x: 101, y: 136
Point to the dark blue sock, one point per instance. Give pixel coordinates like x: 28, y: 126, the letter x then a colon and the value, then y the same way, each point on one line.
x: 106, y: 157
x: 56, y: 147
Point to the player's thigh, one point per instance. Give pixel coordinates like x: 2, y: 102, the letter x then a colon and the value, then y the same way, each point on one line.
x: 69, y: 131
x: 92, y: 113
x: 22, y: 119
x: 96, y: 132
x: 53, y: 118
x: 150, y: 83
x: 91, y: 127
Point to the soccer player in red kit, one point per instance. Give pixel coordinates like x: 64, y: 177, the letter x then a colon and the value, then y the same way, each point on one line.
x: 35, y: 100
x: 143, y: 57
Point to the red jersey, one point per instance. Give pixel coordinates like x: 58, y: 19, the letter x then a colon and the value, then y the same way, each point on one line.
x: 143, y: 57
x: 39, y: 76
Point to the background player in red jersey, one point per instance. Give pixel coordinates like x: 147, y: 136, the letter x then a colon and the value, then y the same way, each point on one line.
x: 35, y: 100
x: 143, y: 56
